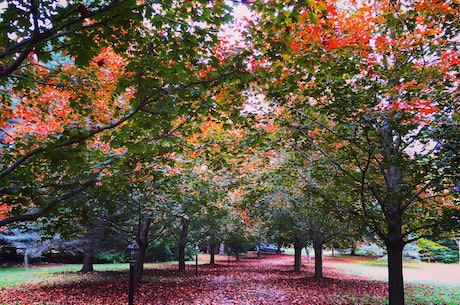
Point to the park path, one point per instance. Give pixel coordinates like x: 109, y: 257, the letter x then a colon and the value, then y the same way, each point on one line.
x: 266, y: 281
x: 253, y: 283
x: 249, y: 281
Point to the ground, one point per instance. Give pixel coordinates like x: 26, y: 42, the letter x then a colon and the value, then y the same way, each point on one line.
x: 269, y: 280
x: 414, y: 272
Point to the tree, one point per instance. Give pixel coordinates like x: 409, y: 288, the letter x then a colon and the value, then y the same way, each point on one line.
x: 170, y: 69
x: 214, y: 222
x: 187, y: 191
x: 301, y: 203
x: 277, y: 199
x: 156, y: 213
x: 90, y: 241
x: 215, y: 148
x: 372, y: 98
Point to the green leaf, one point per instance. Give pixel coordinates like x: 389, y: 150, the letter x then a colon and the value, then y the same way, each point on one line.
x: 313, y: 17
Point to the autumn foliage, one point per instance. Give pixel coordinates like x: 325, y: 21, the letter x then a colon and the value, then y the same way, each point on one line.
x: 76, y: 98
x: 373, y: 105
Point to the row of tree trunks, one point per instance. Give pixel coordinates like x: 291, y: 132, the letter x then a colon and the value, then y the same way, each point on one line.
x: 91, y: 239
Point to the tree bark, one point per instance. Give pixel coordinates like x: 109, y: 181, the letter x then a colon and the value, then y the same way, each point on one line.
x: 88, y: 257
x: 395, y: 245
x: 318, y: 261
x: 237, y: 252
x: 89, y: 242
x: 181, y: 253
x: 395, y: 274
x: 212, y: 250
x: 353, y: 249
x: 318, y: 242
x: 393, y: 173
x: 183, y: 242
x: 212, y: 257
x: 297, y: 258
x: 143, y: 242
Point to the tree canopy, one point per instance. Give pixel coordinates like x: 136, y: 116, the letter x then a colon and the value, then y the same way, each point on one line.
x: 103, y: 90
x: 371, y: 98
x: 301, y: 107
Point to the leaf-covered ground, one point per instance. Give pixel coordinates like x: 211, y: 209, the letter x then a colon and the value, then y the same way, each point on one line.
x: 251, y: 281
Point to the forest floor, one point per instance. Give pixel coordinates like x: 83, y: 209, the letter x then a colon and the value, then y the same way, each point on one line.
x: 269, y: 280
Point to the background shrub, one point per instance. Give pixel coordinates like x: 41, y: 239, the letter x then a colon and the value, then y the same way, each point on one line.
x: 443, y: 251
x: 109, y: 256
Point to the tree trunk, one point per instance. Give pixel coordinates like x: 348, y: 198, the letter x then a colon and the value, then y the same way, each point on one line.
x: 307, y: 251
x: 395, y: 245
x: 88, y: 258
x: 183, y: 242
x: 318, y: 248
x: 458, y: 243
x: 212, y: 250
x: 181, y: 253
x: 25, y: 262
x: 237, y: 253
x: 212, y: 258
x: 89, y: 242
x: 297, y: 258
x: 393, y: 173
x: 143, y: 242
x: 318, y: 242
x: 395, y: 274
x: 353, y: 249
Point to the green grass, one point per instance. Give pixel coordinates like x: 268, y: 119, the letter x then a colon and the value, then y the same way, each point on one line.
x: 12, y: 276
x: 415, y: 295
x: 422, y: 294
x: 17, y: 275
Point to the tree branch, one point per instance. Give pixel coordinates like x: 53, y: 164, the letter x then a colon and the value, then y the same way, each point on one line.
x: 35, y: 215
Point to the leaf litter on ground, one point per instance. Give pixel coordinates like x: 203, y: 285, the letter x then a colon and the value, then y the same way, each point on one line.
x: 270, y: 280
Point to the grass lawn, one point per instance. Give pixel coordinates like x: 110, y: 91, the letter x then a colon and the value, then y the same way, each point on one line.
x: 43, y: 273
x: 426, y: 283
x: 47, y: 273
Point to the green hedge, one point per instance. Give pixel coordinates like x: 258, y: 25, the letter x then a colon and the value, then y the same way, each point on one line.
x: 443, y: 251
